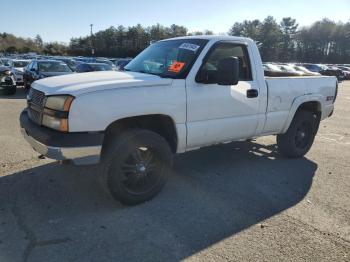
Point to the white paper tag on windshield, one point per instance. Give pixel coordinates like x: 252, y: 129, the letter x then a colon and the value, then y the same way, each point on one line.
x: 190, y: 47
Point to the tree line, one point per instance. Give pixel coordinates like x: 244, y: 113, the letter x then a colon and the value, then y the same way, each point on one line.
x: 325, y: 41
x: 12, y: 44
x: 126, y: 42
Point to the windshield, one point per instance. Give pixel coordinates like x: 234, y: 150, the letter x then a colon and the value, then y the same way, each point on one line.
x: 20, y: 63
x: 172, y: 58
x: 53, y: 67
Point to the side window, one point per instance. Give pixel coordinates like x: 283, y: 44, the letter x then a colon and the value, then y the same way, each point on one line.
x: 224, y: 50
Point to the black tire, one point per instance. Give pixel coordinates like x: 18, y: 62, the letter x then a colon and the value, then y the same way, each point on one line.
x: 136, y: 166
x: 300, y: 135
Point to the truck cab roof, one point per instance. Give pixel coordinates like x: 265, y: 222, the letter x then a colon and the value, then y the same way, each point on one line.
x: 214, y: 37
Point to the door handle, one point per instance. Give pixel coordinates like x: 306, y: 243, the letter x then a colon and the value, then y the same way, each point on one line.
x: 252, y: 93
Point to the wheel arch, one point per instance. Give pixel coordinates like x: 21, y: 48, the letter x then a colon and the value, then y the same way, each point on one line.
x: 163, y: 125
x: 312, y: 104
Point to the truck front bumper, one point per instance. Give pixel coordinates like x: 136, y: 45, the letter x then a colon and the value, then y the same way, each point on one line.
x: 80, y: 148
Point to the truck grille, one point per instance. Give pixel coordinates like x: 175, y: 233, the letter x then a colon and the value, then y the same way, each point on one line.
x: 36, y: 97
x: 36, y: 101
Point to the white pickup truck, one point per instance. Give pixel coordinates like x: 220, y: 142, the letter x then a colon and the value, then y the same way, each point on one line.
x: 178, y: 95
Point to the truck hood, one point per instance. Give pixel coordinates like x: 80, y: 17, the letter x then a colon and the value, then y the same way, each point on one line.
x: 78, y: 84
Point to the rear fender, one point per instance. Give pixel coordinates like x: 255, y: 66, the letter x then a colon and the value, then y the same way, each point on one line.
x: 298, y: 102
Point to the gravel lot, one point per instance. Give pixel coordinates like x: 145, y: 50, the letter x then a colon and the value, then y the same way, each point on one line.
x: 234, y: 202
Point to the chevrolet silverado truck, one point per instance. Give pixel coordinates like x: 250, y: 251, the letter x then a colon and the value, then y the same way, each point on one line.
x: 177, y: 95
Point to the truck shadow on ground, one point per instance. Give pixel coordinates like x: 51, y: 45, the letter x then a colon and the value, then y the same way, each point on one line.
x: 61, y: 214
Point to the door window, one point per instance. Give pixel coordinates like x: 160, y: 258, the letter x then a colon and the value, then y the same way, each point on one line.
x: 208, y: 71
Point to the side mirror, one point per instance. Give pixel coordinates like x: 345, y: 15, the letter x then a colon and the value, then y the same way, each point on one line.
x: 228, y: 71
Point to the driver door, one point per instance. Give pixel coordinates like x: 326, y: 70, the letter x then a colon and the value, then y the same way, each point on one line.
x: 220, y: 113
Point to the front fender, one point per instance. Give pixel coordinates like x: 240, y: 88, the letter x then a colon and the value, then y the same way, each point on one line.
x: 95, y: 111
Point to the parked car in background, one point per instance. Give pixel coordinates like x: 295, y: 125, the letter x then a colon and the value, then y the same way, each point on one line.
x: 38, y: 69
x: 18, y: 70
x: 325, y: 70
x: 305, y: 71
x: 105, y: 61
x: 7, y: 81
x: 114, y: 60
x: 92, y: 67
x: 69, y: 61
x: 346, y: 71
x: 314, y: 67
x: 7, y: 62
x: 273, y: 70
x: 335, y: 71
x: 121, y: 63
x: 99, y: 60
x: 290, y: 70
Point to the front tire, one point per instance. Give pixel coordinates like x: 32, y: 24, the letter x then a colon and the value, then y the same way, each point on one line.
x: 300, y: 135
x: 136, y: 166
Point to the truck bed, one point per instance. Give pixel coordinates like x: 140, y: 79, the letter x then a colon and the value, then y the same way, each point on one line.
x: 283, y: 91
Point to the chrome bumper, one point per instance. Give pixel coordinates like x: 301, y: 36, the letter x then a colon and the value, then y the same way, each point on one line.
x: 79, y: 155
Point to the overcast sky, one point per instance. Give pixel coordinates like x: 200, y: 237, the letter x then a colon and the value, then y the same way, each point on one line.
x: 60, y: 20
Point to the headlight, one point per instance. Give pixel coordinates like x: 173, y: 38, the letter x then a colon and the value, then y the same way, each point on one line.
x: 8, y: 72
x: 60, y: 103
x: 56, y: 112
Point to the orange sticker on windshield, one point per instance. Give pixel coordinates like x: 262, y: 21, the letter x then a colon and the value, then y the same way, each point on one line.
x: 176, y: 67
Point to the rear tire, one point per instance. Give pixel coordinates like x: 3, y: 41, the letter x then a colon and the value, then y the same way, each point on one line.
x: 136, y: 166
x: 300, y: 135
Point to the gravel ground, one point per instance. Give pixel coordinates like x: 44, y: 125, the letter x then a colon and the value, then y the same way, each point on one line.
x: 234, y: 202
